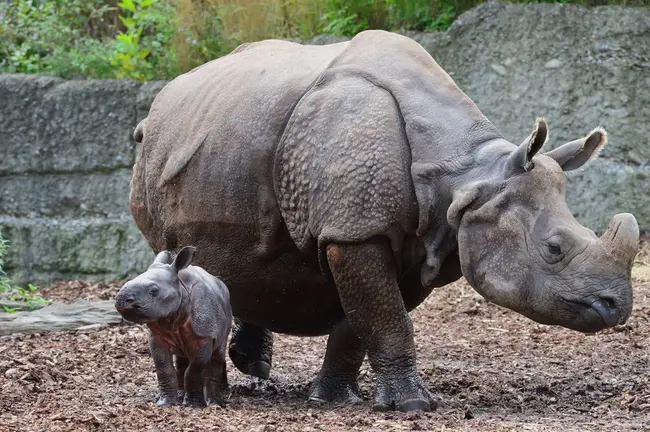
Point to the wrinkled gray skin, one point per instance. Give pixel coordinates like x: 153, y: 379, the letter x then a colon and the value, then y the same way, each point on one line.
x: 333, y: 187
x: 188, y: 314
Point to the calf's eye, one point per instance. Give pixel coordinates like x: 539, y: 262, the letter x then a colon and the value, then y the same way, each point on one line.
x: 154, y: 291
x: 554, y: 249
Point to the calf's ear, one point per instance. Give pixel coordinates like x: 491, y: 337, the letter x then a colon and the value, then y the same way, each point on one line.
x: 575, y: 154
x: 162, y: 258
x: 184, y: 258
x: 520, y: 159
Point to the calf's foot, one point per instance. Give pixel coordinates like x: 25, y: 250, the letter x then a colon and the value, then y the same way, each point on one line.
x: 251, y: 349
x: 167, y: 401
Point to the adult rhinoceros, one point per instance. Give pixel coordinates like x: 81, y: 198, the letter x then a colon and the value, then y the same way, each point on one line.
x: 333, y: 187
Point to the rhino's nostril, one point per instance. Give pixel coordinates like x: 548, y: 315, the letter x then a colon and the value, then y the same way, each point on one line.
x: 606, y: 308
x: 127, y: 301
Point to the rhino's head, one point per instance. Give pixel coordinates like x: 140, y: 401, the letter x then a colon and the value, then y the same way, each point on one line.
x: 156, y: 293
x: 521, y: 248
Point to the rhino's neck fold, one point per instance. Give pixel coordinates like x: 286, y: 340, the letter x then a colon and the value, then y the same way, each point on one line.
x: 437, y: 179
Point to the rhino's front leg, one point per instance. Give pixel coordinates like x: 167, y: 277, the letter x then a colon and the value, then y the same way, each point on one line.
x: 195, y: 376
x: 365, y: 277
x: 165, y: 371
x: 337, y: 380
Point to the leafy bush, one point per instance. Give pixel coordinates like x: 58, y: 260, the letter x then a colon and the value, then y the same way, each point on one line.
x: 345, y: 18
x: 56, y: 37
x: 137, y: 39
x: 15, y: 293
x: 159, y: 39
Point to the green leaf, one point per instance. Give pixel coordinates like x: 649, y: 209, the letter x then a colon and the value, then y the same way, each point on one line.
x: 144, y: 53
x: 127, y: 21
x: 8, y: 309
x: 127, y: 5
x: 146, y: 3
x: 125, y: 37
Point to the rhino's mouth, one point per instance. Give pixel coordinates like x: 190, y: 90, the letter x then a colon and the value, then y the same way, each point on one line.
x: 133, y: 313
x: 607, y: 311
x: 594, y: 316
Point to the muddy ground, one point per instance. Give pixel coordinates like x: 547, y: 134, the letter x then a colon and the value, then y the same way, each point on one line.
x: 492, y: 369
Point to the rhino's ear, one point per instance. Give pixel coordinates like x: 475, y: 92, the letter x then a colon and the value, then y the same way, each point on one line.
x: 163, y: 257
x: 521, y: 158
x: 462, y: 199
x: 575, y: 154
x: 184, y: 258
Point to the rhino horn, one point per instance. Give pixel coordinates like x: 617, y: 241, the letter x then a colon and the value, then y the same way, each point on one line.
x: 621, y: 239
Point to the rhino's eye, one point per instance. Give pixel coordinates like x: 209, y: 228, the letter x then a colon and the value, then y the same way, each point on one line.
x: 154, y: 291
x: 554, y: 249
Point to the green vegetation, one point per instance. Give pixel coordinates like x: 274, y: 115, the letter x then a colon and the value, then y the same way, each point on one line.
x: 159, y: 39
x: 16, y: 293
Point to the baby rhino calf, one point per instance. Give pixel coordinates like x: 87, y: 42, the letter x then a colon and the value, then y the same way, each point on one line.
x: 188, y: 314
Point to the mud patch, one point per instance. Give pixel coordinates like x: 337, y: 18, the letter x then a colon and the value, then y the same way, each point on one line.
x: 492, y: 369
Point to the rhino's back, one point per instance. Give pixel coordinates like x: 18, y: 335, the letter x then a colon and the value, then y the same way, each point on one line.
x: 212, y: 133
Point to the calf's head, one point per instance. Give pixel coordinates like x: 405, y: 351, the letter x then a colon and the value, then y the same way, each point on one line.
x: 156, y: 293
x: 521, y: 248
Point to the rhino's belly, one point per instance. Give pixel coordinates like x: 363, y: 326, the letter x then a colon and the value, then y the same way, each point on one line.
x: 272, y: 284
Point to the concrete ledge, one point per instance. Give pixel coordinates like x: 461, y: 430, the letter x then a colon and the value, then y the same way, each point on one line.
x: 51, y: 125
x: 66, y: 195
x: 60, y: 317
x: 44, y: 250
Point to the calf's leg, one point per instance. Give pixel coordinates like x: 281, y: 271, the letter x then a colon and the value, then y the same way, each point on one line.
x: 181, y: 367
x: 165, y: 372
x: 216, y: 381
x: 195, y: 376
x: 365, y: 277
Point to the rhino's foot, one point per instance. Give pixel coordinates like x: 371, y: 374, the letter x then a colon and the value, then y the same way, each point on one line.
x: 337, y: 380
x: 256, y: 368
x: 403, y: 393
x: 251, y: 349
x: 334, y: 390
x: 194, y: 402
x: 218, y: 399
x: 168, y: 401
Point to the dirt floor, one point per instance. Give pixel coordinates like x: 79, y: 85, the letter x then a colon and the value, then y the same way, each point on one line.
x: 492, y: 369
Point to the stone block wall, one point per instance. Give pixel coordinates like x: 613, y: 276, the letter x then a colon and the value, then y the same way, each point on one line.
x: 65, y: 168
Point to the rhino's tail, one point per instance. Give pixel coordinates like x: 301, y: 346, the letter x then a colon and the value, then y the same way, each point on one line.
x: 138, y: 133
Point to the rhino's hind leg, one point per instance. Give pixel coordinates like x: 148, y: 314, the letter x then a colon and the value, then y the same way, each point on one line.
x: 365, y: 277
x: 216, y: 380
x: 181, y: 367
x: 251, y: 349
x: 337, y: 380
